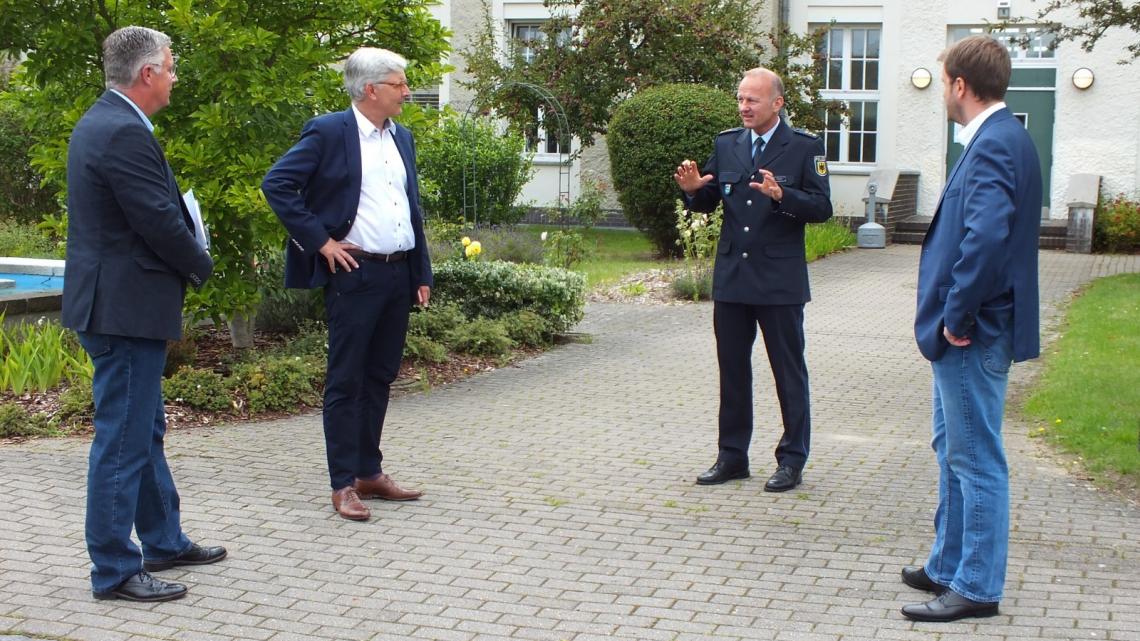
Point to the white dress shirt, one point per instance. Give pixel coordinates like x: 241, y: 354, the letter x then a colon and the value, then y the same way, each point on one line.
x: 383, y: 219
x: 964, y: 135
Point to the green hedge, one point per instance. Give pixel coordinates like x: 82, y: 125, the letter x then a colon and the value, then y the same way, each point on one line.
x: 649, y: 135
x: 493, y: 289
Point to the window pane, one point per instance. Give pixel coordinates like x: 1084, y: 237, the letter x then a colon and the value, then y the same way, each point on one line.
x: 858, y: 43
x: 854, y: 144
x: 857, y: 75
x: 835, y: 74
x: 869, y: 147
x: 873, y: 43
x: 872, y: 77
x: 871, y: 116
x: 837, y: 43
x: 856, y: 115
x: 832, y: 144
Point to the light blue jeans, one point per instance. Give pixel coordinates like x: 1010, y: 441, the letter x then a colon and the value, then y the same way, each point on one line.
x: 971, y: 526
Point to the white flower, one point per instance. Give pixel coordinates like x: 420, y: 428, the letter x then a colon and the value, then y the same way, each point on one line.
x: 542, y: 236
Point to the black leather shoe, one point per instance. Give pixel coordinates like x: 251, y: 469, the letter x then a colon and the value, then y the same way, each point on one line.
x: 918, y: 579
x: 196, y: 555
x: 784, y: 479
x: 146, y: 588
x: 722, y: 472
x: 949, y: 606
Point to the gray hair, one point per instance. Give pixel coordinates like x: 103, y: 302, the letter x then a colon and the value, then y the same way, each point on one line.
x: 368, y: 65
x: 777, y: 82
x: 128, y: 50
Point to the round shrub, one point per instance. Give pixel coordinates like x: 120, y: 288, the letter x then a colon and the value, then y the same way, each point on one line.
x: 279, y: 383
x: 472, y: 151
x: 436, y: 320
x: 198, y: 388
x: 421, y: 348
x: 649, y: 135
x: 16, y: 421
x: 1117, y: 225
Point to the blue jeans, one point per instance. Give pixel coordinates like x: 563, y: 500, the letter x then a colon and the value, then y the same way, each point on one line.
x: 128, y: 480
x: 971, y: 525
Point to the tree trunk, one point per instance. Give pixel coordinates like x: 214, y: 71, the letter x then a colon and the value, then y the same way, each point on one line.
x: 241, y: 330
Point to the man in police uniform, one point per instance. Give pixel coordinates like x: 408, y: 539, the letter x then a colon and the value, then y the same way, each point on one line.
x: 772, y: 180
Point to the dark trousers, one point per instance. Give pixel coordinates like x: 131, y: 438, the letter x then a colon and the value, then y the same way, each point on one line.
x: 783, y: 328
x: 128, y: 481
x: 367, y: 312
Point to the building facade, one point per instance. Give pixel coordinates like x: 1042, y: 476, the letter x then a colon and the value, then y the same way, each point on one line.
x: 882, y: 59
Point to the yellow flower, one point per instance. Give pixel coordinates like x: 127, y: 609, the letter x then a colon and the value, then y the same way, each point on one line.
x: 473, y: 249
x: 466, y: 241
x: 1058, y: 421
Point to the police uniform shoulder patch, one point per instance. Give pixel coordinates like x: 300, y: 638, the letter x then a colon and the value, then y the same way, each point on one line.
x: 821, y: 165
x: 734, y: 130
x: 806, y: 133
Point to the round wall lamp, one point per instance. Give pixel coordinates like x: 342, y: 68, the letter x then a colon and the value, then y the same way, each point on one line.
x: 921, y: 78
x: 1083, y: 78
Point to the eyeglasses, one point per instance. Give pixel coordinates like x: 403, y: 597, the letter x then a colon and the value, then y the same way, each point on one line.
x: 173, y: 71
x: 398, y: 85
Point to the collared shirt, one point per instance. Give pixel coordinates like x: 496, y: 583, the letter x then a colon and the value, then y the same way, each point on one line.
x: 767, y: 135
x: 146, y: 121
x: 966, y: 134
x: 383, y: 218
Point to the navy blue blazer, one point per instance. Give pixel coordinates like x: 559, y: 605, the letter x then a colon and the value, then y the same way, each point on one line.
x: 978, y: 271
x: 315, y: 190
x: 130, y: 241
x: 760, y: 256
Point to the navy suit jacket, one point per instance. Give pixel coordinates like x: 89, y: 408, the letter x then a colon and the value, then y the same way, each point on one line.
x: 130, y: 241
x: 315, y: 190
x: 760, y: 256
x: 978, y: 271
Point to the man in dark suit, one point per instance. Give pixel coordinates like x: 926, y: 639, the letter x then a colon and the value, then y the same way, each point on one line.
x: 130, y: 239
x: 772, y: 180
x: 348, y: 195
x: 977, y: 313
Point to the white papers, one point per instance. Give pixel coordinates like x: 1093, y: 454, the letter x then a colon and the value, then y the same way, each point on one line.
x: 200, y: 234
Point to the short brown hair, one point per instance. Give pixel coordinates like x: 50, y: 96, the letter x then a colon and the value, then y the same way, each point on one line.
x: 982, y: 62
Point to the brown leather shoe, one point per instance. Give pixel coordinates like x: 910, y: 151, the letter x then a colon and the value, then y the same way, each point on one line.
x: 347, y: 503
x: 383, y: 487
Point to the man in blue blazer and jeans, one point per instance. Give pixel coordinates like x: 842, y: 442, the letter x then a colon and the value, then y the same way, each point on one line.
x: 349, y: 198
x: 977, y: 313
x: 130, y: 240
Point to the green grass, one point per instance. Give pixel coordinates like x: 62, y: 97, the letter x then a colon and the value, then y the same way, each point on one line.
x: 827, y: 238
x: 615, y: 253
x: 1087, y: 400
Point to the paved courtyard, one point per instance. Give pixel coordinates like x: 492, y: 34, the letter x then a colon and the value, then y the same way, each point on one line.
x: 560, y: 503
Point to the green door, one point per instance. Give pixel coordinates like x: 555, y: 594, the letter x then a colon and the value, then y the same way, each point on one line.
x: 1032, y: 99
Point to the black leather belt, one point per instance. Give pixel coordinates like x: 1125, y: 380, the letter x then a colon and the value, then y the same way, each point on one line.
x: 382, y: 258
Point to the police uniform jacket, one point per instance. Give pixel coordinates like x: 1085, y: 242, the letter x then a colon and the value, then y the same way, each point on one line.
x: 760, y: 256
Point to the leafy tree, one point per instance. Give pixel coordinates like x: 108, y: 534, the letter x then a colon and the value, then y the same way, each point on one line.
x: 594, y: 53
x: 250, y: 73
x: 1097, y: 17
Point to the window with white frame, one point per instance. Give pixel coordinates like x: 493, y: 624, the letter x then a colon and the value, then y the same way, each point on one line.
x: 850, y: 69
x: 540, y: 138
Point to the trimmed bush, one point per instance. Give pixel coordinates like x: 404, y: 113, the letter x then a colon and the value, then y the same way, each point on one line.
x: 481, y: 337
x: 76, y: 402
x: 198, y: 388
x: 494, y: 288
x: 311, y: 339
x: 1117, y: 227
x: 422, y: 348
x: 472, y: 150
x: 649, y: 135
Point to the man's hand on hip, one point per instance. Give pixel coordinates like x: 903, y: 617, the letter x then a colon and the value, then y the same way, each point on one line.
x: 336, y: 253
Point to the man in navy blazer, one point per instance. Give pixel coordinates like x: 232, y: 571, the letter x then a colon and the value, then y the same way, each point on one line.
x: 977, y: 313
x: 130, y: 252
x: 772, y: 180
x: 349, y: 198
